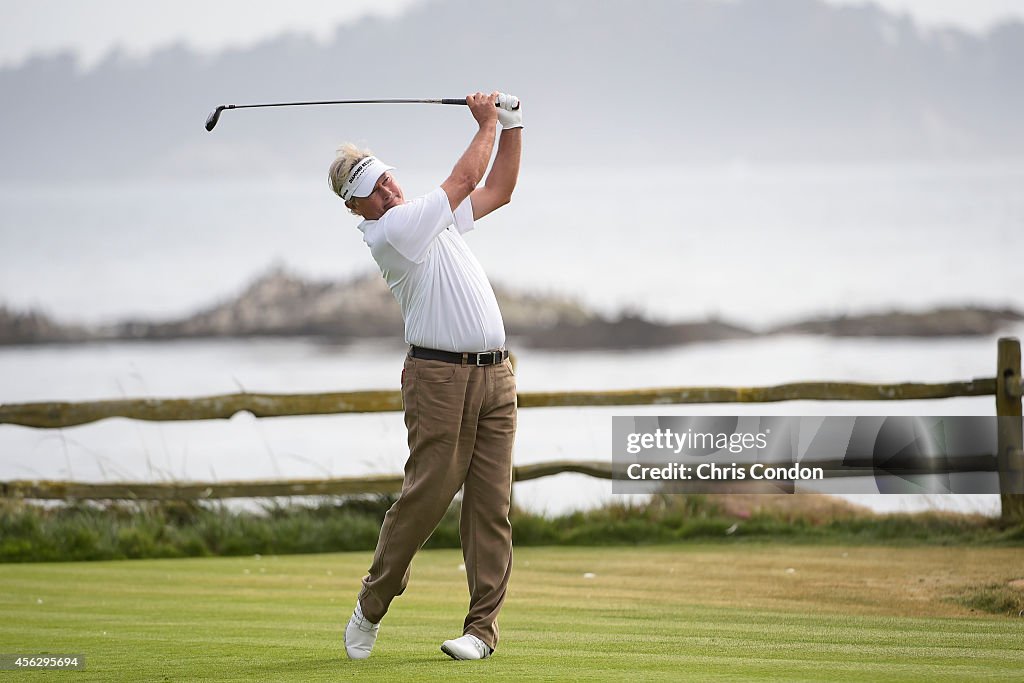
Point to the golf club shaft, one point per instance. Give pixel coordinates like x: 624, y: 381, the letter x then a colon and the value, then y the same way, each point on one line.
x: 212, y: 119
x: 391, y: 101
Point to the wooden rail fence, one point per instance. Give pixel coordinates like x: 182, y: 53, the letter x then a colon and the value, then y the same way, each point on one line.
x: 59, y: 414
x: 1006, y: 386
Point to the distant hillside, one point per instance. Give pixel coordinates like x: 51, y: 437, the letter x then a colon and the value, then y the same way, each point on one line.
x: 655, y: 80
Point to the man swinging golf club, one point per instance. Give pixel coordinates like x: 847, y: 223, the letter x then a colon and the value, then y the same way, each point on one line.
x: 458, y: 387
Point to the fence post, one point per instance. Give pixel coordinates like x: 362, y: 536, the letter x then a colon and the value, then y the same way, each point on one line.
x: 1009, y: 438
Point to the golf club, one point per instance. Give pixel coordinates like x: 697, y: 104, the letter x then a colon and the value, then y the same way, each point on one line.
x: 212, y: 119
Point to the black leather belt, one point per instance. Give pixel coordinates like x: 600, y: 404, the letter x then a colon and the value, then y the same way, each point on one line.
x: 481, y: 358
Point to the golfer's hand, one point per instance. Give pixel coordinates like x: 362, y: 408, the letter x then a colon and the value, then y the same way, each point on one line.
x: 510, y: 111
x: 483, y: 109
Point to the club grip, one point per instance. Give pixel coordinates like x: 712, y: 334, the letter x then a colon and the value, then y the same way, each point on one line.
x: 462, y: 101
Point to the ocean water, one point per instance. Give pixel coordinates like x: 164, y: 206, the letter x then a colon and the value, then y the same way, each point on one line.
x: 753, y: 245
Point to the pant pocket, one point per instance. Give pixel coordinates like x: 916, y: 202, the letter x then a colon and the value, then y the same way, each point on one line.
x: 434, y: 371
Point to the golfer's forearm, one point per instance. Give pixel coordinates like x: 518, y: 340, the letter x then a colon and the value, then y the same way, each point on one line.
x: 471, y: 166
x: 505, y: 170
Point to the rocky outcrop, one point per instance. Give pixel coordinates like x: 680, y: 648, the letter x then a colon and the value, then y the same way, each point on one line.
x: 629, y: 332
x: 281, y: 304
x: 33, y: 327
x: 941, y: 322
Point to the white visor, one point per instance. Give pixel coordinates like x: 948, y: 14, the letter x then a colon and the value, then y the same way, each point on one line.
x: 363, y: 178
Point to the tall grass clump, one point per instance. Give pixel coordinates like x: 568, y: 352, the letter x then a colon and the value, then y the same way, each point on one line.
x: 122, y: 530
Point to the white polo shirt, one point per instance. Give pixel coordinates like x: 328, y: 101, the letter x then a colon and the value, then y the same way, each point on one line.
x: 446, y: 300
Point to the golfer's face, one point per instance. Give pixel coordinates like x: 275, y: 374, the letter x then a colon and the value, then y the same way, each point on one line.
x: 386, y: 194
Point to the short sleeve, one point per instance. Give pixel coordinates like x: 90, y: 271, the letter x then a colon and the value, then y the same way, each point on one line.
x: 464, y: 216
x: 411, y: 227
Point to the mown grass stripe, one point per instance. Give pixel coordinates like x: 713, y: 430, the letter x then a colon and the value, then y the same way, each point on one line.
x: 734, y: 614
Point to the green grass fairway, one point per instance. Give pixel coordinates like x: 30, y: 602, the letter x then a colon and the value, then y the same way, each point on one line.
x: 738, y: 611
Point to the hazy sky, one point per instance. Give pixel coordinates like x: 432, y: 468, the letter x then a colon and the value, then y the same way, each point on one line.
x: 93, y: 27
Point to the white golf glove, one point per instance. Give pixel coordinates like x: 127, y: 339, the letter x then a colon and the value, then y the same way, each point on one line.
x: 510, y: 114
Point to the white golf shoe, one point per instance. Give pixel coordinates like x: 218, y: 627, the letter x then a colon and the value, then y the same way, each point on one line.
x: 360, y: 634
x: 466, y: 647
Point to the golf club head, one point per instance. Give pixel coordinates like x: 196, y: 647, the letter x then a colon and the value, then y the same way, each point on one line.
x: 212, y: 119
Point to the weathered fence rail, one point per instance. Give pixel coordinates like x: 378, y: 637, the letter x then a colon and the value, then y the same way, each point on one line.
x: 62, y: 490
x: 51, y: 415
x: 384, y: 484
x: 1006, y: 386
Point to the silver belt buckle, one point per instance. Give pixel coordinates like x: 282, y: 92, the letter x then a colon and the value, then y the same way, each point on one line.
x: 480, y: 355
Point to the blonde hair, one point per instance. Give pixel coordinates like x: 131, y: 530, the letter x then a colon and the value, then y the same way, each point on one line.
x: 348, y: 156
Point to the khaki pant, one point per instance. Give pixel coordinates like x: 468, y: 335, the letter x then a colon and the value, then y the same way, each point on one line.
x: 461, y: 422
